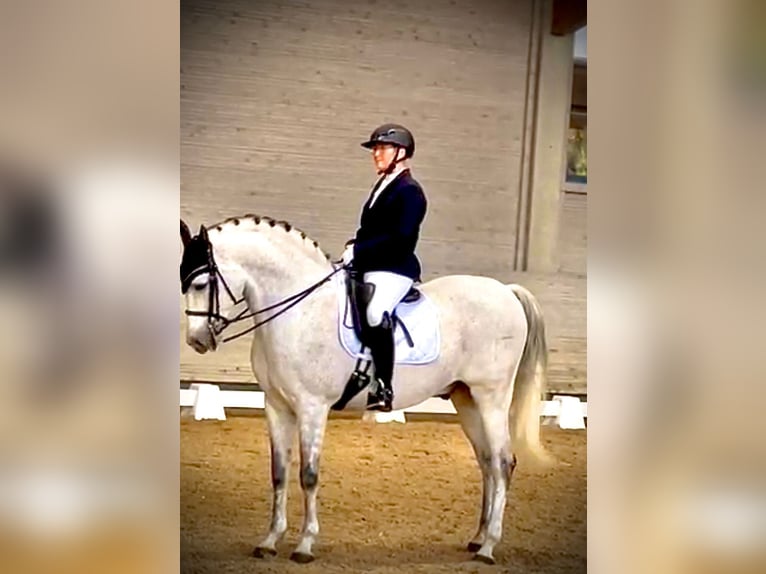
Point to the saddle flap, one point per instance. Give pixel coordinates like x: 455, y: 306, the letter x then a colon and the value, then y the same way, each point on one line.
x: 359, y: 296
x: 422, y: 324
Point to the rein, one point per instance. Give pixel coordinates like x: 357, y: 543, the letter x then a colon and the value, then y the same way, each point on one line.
x: 214, y: 307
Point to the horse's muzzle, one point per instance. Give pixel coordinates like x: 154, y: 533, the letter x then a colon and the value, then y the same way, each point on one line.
x: 203, y: 342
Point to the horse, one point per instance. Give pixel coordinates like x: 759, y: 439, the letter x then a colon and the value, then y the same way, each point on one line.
x: 491, y: 363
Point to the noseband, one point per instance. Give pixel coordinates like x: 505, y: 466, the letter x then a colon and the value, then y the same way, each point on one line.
x: 217, y: 322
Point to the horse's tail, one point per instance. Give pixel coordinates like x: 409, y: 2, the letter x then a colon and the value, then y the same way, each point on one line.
x: 530, y: 381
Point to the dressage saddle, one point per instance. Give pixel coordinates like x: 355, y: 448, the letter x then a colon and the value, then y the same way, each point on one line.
x: 359, y: 294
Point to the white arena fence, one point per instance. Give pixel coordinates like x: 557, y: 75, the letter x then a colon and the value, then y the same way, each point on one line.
x: 209, y: 401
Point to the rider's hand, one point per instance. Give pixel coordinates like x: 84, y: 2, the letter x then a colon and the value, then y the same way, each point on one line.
x: 348, y: 255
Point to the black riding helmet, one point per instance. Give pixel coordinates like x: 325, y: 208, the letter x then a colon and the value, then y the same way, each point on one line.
x: 393, y: 134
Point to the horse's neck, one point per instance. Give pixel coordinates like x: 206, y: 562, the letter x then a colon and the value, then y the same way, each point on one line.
x: 276, y: 265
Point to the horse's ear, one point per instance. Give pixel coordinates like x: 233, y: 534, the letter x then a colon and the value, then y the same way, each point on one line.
x: 203, y: 232
x: 185, y: 233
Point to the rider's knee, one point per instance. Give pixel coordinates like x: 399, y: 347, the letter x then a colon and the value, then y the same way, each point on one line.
x: 374, y: 316
x: 379, y: 318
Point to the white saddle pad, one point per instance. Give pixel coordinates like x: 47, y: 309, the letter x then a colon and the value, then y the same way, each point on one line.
x: 421, y: 319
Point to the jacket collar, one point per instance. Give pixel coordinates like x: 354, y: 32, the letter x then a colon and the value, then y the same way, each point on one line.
x: 385, y: 182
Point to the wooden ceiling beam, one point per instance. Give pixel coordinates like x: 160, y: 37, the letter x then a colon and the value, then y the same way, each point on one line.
x: 568, y: 16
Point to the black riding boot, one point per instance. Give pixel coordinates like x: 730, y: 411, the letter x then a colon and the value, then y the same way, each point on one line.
x: 382, y: 349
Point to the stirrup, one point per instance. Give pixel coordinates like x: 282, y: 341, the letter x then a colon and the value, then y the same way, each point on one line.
x: 380, y: 400
x: 358, y: 380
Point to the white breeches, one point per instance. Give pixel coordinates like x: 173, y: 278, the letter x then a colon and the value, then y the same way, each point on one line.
x: 390, y: 288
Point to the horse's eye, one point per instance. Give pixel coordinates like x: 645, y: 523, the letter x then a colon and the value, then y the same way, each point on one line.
x: 199, y: 286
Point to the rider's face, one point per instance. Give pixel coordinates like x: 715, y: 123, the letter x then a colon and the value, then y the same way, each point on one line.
x: 382, y: 156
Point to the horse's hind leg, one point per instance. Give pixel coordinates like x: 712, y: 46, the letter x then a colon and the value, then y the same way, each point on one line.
x: 312, y: 420
x: 282, y: 425
x: 470, y: 420
x: 494, y: 415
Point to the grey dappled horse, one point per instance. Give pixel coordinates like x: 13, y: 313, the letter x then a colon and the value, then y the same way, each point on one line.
x: 491, y: 363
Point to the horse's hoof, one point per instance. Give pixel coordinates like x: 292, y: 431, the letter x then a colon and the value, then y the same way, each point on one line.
x: 484, y: 559
x: 301, y: 557
x: 474, y: 547
x: 261, y: 552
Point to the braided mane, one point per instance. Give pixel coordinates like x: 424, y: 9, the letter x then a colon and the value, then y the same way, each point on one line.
x: 264, y: 220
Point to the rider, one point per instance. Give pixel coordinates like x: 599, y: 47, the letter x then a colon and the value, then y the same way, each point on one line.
x: 383, y: 250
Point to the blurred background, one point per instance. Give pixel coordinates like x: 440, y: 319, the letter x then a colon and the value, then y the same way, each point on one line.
x: 677, y: 98
x: 88, y: 286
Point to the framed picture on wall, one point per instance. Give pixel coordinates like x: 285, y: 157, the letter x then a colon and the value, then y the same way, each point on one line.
x: 576, y: 174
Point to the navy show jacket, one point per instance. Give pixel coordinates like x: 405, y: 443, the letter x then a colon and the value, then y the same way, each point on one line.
x: 389, y: 229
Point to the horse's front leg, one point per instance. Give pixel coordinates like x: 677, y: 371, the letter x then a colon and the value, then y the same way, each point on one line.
x: 312, y: 420
x: 282, y: 425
